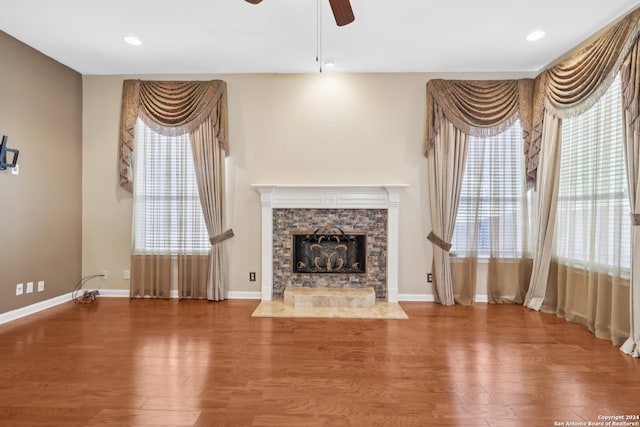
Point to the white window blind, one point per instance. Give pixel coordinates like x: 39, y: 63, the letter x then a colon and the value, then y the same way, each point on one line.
x: 593, y: 223
x: 492, y: 210
x: 167, y: 212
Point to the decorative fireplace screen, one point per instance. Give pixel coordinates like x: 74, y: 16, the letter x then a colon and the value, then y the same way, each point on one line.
x: 327, y: 251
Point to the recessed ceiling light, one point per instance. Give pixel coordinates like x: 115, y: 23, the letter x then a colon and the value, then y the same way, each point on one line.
x: 133, y: 40
x: 535, y: 35
x: 330, y: 62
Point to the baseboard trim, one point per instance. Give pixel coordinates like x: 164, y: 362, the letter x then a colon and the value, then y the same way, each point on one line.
x: 416, y: 298
x: 430, y: 298
x: 482, y: 298
x: 244, y: 295
x: 114, y: 293
x: 124, y: 293
x: 19, y: 313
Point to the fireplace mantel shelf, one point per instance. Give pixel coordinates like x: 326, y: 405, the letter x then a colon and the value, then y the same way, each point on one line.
x: 330, y: 196
x: 339, y: 196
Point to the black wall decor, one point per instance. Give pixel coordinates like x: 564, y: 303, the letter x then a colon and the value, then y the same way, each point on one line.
x: 4, y: 151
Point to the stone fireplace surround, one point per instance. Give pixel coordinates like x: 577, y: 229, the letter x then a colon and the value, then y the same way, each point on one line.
x: 275, y: 196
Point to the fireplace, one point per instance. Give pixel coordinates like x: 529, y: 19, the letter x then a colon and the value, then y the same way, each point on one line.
x: 289, y: 222
x: 329, y: 251
x: 288, y: 210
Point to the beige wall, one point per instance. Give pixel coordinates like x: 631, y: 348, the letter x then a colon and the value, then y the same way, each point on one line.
x: 40, y: 209
x: 284, y: 129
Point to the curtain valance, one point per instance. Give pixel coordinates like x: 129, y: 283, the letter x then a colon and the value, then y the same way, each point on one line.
x: 169, y: 108
x: 576, y: 83
x: 479, y: 108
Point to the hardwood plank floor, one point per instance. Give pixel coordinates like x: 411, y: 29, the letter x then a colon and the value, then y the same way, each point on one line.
x: 192, y: 363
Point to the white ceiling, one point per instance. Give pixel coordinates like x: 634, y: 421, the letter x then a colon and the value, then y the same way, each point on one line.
x: 233, y: 36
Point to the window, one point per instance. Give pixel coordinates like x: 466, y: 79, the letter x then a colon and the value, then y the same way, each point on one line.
x: 593, y: 223
x: 491, y: 219
x: 167, y: 212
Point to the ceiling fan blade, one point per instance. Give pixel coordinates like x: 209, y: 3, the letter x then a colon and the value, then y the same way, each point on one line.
x: 341, y: 11
x: 253, y: 1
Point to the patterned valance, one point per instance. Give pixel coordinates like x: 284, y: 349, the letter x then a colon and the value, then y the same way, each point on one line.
x: 480, y: 108
x: 169, y: 108
x: 576, y: 83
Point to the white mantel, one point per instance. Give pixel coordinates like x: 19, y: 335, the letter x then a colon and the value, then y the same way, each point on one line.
x: 383, y: 196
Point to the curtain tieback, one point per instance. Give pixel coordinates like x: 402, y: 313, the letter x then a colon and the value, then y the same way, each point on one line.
x: 635, y: 219
x: 439, y: 242
x: 221, y: 237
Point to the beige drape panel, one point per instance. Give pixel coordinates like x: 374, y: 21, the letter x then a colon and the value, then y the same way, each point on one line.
x: 445, y: 160
x: 208, y: 155
x: 547, y: 183
x: 152, y: 276
x: 174, y: 108
x: 631, y: 118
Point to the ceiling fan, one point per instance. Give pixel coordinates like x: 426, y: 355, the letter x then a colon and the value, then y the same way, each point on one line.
x: 342, y: 11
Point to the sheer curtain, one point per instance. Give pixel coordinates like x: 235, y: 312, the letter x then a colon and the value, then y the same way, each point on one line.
x: 589, y: 280
x: 492, y: 220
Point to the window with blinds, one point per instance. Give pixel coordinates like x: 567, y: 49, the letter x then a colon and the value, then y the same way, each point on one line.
x: 593, y: 223
x: 167, y: 212
x: 492, y: 210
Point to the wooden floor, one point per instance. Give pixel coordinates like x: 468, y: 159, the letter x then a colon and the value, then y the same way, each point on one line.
x: 168, y: 363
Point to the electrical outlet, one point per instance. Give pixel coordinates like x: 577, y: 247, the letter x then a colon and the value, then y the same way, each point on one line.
x: 127, y: 275
x: 29, y: 287
x: 15, y: 170
x: 19, y: 289
x: 103, y: 273
x: 41, y: 286
x: 429, y: 278
x: 252, y: 276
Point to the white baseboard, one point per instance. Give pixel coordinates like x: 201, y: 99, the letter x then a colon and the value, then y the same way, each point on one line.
x: 19, y: 313
x: 430, y: 298
x: 482, y: 298
x: 416, y: 297
x: 244, y: 295
x: 114, y: 293
x: 124, y: 293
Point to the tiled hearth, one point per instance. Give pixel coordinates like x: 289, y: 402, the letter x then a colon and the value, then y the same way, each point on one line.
x: 374, y: 209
